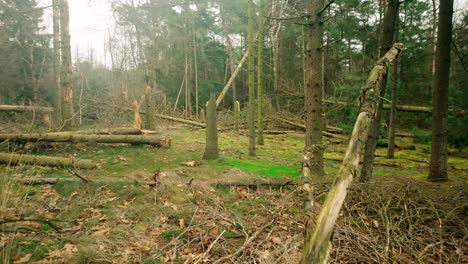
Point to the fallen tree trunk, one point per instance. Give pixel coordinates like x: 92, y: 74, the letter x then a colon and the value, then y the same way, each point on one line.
x: 25, y: 108
x: 105, y: 131
x: 231, y: 80
x: 403, y: 108
x: 12, y: 158
x: 277, y: 184
x: 37, y: 181
x: 181, y: 120
x: 302, y: 127
x: 318, y: 236
x: 78, y: 138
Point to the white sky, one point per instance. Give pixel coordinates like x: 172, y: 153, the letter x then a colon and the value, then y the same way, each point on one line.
x: 91, y: 20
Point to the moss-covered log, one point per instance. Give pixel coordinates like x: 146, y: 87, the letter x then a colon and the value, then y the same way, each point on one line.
x: 23, y: 108
x: 13, y: 159
x: 102, y: 131
x: 78, y: 138
x: 37, y: 181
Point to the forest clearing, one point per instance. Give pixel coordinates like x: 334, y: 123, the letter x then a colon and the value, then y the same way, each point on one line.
x: 249, y: 131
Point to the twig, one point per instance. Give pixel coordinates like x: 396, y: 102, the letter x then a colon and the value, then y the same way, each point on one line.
x: 83, y: 178
x: 247, y: 242
x: 208, y: 250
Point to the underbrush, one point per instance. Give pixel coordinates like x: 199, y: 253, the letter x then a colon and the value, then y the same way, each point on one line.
x: 189, y: 217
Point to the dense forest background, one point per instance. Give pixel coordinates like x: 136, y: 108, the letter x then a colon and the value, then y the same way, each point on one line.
x: 187, y: 50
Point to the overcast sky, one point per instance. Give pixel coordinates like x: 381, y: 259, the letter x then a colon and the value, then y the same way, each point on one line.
x: 91, y: 20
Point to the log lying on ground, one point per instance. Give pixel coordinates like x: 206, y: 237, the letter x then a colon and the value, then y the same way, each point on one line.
x: 302, y: 127
x: 181, y: 120
x: 104, y: 131
x: 403, y: 108
x: 272, y: 184
x: 77, y: 138
x: 24, y: 108
x: 37, y: 181
x: 11, y: 158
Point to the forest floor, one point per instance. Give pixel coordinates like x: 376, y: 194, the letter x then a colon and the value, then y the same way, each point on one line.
x: 399, y: 217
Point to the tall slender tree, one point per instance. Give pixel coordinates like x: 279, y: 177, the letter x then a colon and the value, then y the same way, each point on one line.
x: 66, y: 71
x: 313, y: 89
x: 56, y: 29
x: 251, y: 81
x: 439, y: 155
x: 260, y: 140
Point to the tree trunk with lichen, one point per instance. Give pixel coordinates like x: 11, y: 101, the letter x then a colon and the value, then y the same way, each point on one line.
x: 57, y: 64
x: 12, y: 158
x: 317, y: 244
x: 66, y: 71
x: 211, y: 147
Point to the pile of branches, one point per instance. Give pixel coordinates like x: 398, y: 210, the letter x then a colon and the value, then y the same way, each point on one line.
x: 401, y: 222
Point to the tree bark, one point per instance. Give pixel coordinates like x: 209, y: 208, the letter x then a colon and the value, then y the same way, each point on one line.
x: 77, y: 138
x: 251, y: 71
x: 393, y: 113
x: 260, y: 139
x: 37, y: 181
x: 313, y: 89
x: 404, y: 108
x: 211, y: 147
x: 24, y: 108
x: 57, y: 64
x: 317, y: 243
x: 386, y: 40
x: 11, y: 158
x: 236, y: 116
x: 439, y: 155
x: 150, y: 109
x: 393, y: 110
x: 103, y: 131
x: 66, y: 71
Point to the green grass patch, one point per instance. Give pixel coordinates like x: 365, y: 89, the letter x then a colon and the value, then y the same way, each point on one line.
x: 261, y: 167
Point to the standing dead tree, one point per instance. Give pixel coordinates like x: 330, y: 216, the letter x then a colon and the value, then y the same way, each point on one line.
x: 317, y: 243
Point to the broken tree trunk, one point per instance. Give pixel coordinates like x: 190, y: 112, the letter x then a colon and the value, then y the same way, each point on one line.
x: 403, y: 108
x: 37, y: 181
x: 136, y: 114
x: 104, y: 131
x: 325, y: 133
x: 181, y: 120
x: 211, y: 147
x: 231, y: 80
x: 11, y: 158
x: 318, y: 237
x: 75, y: 138
x: 150, y: 118
x: 45, y: 112
x: 24, y: 108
